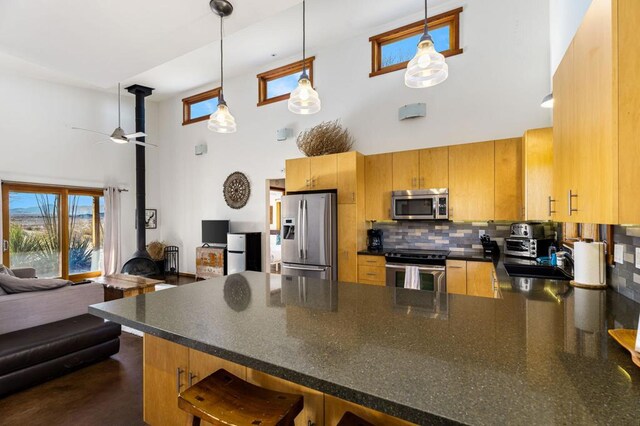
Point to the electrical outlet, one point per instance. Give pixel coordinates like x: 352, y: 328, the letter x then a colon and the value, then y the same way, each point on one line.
x: 482, y: 232
x: 618, y: 253
x: 638, y: 257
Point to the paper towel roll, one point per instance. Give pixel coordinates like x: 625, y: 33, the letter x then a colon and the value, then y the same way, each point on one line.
x: 589, y: 268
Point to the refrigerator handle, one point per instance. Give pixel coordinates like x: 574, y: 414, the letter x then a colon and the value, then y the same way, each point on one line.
x: 305, y: 217
x: 300, y: 231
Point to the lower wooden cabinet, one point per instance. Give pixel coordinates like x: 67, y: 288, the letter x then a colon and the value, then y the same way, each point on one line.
x: 334, y: 409
x: 313, y: 411
x: 372, y: 270
x: 457, y: 276
x: 472, y: 278
x: 170, y: 368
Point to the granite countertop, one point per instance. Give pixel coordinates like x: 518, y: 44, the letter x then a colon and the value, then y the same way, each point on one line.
x: 540, y: 354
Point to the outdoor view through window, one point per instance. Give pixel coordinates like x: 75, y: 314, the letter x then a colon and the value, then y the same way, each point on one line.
x: 403, y: 50
x: 35, y: 229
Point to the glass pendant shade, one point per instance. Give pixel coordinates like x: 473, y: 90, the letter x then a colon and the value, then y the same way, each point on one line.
x: 304, y: 99
x: 222, y: 121
x: 427, y: 68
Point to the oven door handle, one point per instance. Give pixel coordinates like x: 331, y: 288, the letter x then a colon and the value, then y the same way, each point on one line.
x: 420, y: 268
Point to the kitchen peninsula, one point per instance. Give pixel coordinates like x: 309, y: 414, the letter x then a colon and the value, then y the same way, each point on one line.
x: 539, y: 354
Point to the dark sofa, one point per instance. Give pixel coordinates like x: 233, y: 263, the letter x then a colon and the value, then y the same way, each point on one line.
x: 45, y: 334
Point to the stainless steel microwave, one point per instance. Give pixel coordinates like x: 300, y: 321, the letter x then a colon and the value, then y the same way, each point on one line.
x: 424, y: 204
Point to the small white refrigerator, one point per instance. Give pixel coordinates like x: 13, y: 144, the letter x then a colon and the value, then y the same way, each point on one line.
x: 243, y: 252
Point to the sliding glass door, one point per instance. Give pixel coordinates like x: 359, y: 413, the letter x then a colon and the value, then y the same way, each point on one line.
x: 56, y: 230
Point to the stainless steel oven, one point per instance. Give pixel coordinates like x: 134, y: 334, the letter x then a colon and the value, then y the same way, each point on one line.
x: 420, y: 205
x: 432, y: 277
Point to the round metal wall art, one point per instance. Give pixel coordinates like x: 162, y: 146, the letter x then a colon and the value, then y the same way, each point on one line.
x: 236, y: 190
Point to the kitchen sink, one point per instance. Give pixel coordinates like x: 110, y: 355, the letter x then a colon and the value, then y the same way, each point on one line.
x: 537, y: 271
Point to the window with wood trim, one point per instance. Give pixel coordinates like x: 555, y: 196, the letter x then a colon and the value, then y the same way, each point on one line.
x: 56, y: 230
x: 392, y: 50
x: 276, y: 85
x: 199, y: 107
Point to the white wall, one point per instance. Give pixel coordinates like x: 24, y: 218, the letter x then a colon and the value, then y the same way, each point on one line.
x: 493, y: 91
x: 37, y: 144
x: 565, y: 18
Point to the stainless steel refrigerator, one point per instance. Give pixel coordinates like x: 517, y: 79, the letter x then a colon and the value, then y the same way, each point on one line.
x: 309, y: 235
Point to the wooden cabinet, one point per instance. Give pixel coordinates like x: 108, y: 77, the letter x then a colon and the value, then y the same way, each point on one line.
x: 472, y: 181
x: 335, y: 408
x: 323, y: 172
x: 421, y: 169
x: 406, y: 170
x: 378, y: 184
x: 628, y: 110
x: 372, y: 270
x: 537, y: 174
x: 312, y: 173
x: 508, y: 179
x: 596, y: 126
x: 169, y: 369
x: 347, y: 243
x: 297, y: 172
x: 457, y: 276
x: 313, y: 411
x: 472, y: 278
x: 165, y: 372
x: 480, y: 279
x: 434, y: 167
x: 350, y: 182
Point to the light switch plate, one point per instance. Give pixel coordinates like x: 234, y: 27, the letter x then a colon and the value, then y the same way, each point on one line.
x: 618, y: 253
x: 638, y: 257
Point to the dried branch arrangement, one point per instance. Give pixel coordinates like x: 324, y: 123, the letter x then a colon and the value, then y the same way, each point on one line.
x: 328, y: 137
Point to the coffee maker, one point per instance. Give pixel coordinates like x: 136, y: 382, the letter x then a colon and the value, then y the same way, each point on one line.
x: 374, y: 239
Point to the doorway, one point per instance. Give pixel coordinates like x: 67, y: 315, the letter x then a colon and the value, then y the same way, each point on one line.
x: 276, y: 189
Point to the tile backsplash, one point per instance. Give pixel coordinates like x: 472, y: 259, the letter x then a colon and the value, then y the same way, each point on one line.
x: 454, y: 236
x: 625, y: 277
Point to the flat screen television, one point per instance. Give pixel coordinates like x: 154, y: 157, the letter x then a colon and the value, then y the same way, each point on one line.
x: 215, y: 231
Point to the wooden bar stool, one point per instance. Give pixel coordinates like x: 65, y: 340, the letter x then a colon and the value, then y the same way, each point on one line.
x: 226, y: 400
x: 350, y: 419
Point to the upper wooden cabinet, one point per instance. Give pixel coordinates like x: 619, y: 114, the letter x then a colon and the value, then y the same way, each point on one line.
x: 596, y: 126
x: 472, y: 181
x: 434, y: 167
x: 378, y: 184
x: 537, y: 174
x: 312, y: 173
x: 421, y: 169
x: 508, y: 179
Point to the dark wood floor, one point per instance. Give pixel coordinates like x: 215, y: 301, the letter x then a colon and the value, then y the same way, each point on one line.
x: 106, y: 393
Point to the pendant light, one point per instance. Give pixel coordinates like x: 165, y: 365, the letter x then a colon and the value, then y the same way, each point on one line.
x: 221, y: 121
x: 304, y: 99
x: 547, y: 101
x: 427, y: 68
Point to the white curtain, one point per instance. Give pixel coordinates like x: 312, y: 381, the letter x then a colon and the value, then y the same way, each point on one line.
x: 111, y: 231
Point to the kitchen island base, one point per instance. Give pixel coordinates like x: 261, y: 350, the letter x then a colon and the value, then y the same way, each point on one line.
x: 170, y: 368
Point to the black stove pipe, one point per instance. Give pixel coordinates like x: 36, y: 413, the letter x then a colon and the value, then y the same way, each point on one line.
x: 140, y: 93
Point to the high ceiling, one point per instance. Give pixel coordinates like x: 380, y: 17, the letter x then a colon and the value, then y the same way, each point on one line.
x: 172, y: 45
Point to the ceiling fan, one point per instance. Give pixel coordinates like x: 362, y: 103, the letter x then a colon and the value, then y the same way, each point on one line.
x: 118, y: 135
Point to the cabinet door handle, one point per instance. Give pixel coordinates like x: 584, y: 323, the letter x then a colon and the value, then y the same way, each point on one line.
x: 179, y: 372
x: 413, y: 182
x: 371, y: 274
x: 307, y: 182
x: 571, y: 197
x: 313, y: 182
x: 422, y: 182
x: 191, y: 377
x: 551, y: 200
x: 353, y: 197
x: 454, y: 267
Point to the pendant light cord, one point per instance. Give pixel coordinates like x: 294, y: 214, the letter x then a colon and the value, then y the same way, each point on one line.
x: 118, y: 104
x: 221, y: 59
x: 426, y: 24
x: 304, y: 37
